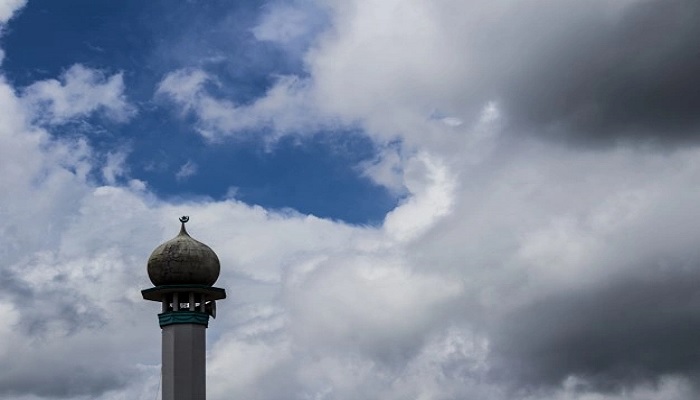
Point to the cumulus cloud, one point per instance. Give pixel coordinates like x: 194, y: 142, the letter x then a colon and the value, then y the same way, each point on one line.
x: 515, y: 268
x: 530, y: 286
x: 284, y: 109
x: 386, y: 169
x: 79, y: 92
x: 521, y: 282
x: 8, y: 8
x: 537, y: 267
x: 431, y: 188
x: 572, y: 71
x: 37, y: 283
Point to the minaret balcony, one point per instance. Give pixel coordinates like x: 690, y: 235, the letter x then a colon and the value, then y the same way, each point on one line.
x: 185, y: 304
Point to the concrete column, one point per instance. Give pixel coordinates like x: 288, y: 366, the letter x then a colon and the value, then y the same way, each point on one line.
x: 184, y: 367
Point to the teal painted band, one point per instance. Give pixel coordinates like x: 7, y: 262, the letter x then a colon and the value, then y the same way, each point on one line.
x: 183, y: 317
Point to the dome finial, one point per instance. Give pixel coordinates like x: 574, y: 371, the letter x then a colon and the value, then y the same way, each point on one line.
x: 184, y: 220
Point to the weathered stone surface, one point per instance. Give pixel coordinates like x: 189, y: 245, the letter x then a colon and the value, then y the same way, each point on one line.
x: 183, y: 261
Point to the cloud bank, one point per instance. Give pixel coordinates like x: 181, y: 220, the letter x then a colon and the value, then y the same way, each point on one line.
x: 546, y: 247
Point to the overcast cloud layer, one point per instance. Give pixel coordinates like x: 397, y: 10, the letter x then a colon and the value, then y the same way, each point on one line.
x: 547, y: 246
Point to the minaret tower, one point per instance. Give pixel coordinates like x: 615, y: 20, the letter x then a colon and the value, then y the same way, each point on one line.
x: 183, y: 271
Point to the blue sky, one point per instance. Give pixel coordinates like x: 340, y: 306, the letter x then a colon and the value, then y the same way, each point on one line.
x: 315, y: 174
x: 410, y: 199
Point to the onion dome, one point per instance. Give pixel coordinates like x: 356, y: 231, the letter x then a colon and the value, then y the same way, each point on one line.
x: 183, y: 261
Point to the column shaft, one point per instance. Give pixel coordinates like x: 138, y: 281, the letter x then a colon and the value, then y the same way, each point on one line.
x: 184, y: 367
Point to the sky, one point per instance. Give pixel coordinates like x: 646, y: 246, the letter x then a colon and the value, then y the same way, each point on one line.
x: 410, y: 199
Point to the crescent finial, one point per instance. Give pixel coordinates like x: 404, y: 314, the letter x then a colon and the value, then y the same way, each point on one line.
x: 184, y: 220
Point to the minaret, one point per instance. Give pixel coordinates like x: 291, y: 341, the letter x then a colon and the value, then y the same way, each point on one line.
x: 183, y: 271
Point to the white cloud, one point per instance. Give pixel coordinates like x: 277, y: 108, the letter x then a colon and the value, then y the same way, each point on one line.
x: 232, y: 192
x: 114, y: 167
x: 432, y: 195
x: 386, y: 169
x: 326, y: 307
x: 186, y: 171
x: 283, y: 23
x: 79, y: 92
x: 285, y: 108
x: 8, y: 8
x: 424, y: 306
x: 184, y: 86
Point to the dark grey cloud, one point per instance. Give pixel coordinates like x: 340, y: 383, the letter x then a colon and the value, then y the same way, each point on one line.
x: 602, y: 75
x: 61, y: 380
x: 633, y: 330
x: 48, y: 318
x: 39, y: 308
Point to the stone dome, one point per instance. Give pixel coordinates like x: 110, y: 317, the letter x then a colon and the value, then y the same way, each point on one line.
x: 183, y: 260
